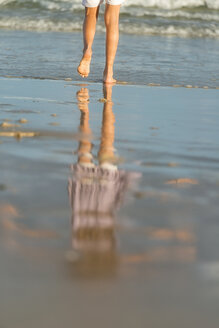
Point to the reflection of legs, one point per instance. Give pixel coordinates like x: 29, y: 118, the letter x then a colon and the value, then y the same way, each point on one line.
x: 85, y: 145
x: 89, y: 28
x: 91, y: 197
x: 112, y: 38
x: 106, y: 152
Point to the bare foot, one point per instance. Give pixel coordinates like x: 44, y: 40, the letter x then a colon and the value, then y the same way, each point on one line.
x: 84, y: 66
x: 83, y: 96
x: 108, y: 76
x: 83, y: 100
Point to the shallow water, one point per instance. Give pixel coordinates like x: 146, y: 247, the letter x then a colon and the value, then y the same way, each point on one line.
x: 153, y: 261
x: 140, y: 59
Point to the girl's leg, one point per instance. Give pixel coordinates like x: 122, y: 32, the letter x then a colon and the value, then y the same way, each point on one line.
x: 89, y: 28
x: 112, y: 38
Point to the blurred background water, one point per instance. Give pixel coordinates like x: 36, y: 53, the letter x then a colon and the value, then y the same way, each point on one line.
x: 197, y: 18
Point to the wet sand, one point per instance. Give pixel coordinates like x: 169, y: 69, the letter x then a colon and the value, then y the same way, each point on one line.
x: 147, y: 253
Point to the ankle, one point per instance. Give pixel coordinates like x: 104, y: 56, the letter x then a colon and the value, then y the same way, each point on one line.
x: 87, y: 53
x: 108, y: 69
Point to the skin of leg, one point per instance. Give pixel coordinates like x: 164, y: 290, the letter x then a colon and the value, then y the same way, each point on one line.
x: 112, y: 39
x: 106, y: 152
x: 85, y: 145
x: 89, y: 29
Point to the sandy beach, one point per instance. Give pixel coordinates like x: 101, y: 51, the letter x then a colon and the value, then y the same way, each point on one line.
x: 109, y: 194
x: 152, y: 257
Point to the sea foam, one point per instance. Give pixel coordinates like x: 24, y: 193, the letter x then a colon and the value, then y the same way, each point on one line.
x: 184, y: 18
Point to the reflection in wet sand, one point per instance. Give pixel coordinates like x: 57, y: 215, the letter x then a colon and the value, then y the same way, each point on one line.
x: 182, y: 182
x: 96, y: 192
x: 10, y: 213
x: 177, y: 254
x: 15, y: 235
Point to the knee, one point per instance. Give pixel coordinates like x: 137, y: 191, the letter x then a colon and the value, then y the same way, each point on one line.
x: 111, y: 20
x: 91, y: 12
x: 111, y: 16
x: 107, y: 20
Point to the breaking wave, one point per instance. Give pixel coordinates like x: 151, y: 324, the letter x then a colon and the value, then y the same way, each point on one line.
x: 184, y: 18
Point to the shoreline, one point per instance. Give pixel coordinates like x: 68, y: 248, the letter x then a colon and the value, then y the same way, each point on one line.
x: 148, y: 60
x: 85, y: 82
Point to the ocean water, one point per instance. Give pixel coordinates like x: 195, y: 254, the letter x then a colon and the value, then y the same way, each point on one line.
x: 146, y: 59
x: 161, y: 41
x: 186, y: 18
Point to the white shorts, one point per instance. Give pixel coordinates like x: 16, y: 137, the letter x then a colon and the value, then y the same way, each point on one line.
x: 96, y: 3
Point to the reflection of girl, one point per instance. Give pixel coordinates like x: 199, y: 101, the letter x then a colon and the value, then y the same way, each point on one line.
x: 96, y: 191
